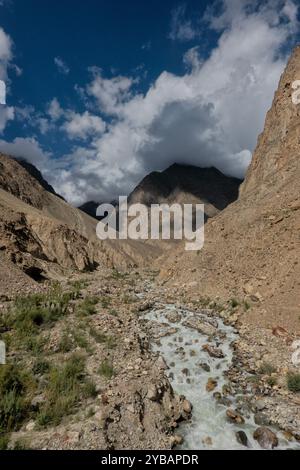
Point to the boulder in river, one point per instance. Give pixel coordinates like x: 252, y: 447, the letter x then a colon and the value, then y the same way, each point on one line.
x: 242, y: 438
x: 202, y: 327
x: 204, y: 366
x: 266, y: 438
x: 261, y: 419
x: 213, y: 352
x: 211, y: 384
x: 173, y: 317
x: 187, y: 406
x: 234, y: 417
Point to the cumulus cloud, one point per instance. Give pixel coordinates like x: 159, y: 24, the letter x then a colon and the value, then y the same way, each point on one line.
x: 61, y: 66
x: 54, y: 110
x: 28, y: 148
x: 110, y: 94
x: 209, y: 116
x: 182, y: 28
x: 81, y: 126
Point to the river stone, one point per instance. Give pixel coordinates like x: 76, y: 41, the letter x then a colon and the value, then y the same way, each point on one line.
x: 207, y: 441
x: 200, y: 326
x: 173, y: 317
x: 204, y: 366
x: 242, y: 438
x: 187, y: 406
x: 225, y: 401
x: 261, y: 419
x: 217, y: 396
x: 266, y: 438
x: 152, y: 393
x: 213, y: 352
x: 176, y: 440
x: 234, y: 417
x: 211, y: 384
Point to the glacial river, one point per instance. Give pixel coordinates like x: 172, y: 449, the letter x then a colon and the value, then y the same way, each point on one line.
x: 182, y: 351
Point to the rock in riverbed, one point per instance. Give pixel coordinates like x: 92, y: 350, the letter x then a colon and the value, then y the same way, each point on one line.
x: 266, y: 438
x: 242, y: 438
x: 211, y: 384
x: 213, y: 352
x: 201, y: 326
x: 234, y: 417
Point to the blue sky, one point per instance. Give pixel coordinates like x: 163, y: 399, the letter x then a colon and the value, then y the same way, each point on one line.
x: 100, y: 93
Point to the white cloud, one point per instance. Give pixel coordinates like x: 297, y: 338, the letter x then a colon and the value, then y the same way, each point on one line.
x: 181, y: 27
x: 192, y: 58
x: 54, y: 110
x: 28, y: 148
x: 110, y: 93
x: 212, y: 115
x: 81, y: 126
x: 61, y: 66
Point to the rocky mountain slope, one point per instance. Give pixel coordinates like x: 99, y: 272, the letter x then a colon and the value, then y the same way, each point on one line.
x: 187, y: 184
x: 43, y: 235
x: 253, y: 245
x: 251, y: 251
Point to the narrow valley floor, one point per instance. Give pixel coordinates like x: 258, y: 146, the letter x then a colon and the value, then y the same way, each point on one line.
x: 94, y: 362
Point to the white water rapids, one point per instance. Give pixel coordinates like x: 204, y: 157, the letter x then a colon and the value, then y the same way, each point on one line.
x: 209, y: 427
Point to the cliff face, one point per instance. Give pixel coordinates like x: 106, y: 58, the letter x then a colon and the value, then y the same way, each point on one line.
x: 276, y: 157
x: 253, y: 246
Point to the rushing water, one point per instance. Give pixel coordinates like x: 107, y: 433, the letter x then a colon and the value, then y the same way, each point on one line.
x: 209, y: 427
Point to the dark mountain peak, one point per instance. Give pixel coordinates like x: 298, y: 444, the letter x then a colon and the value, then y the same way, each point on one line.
x: 189, y: 183
x: 36, y: 174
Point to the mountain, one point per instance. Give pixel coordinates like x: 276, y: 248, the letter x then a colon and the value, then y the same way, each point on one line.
x: 37, y: 175
x: 250, y: 258
x: 90, y: 208
x: 255, y: 241
x: 43, y: 236
x: 187, y: 184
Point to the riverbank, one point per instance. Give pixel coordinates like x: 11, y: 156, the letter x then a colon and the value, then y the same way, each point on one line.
x: 129, y: 400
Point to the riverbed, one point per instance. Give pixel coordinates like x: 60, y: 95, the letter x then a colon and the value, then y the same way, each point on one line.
x: 179, y: 336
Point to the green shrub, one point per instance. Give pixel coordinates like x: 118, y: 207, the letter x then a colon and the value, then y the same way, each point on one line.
x: 105, y: 302
x: 65, y: 344
x: 15, y: 391
x: 30, y: 313
x: 103, y: 339
x: 106, y: 369
x: 293, y: 382
x: 4, y: 440
x: 66, y: 386
x: 234, y: 303
x: 267, y: 369
x: 87, y: 306
x: 41, y: 367
x: 272, y: 381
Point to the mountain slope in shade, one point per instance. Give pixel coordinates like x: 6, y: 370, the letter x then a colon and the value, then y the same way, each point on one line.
x: 37, y: 175
x: 187, y: 184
